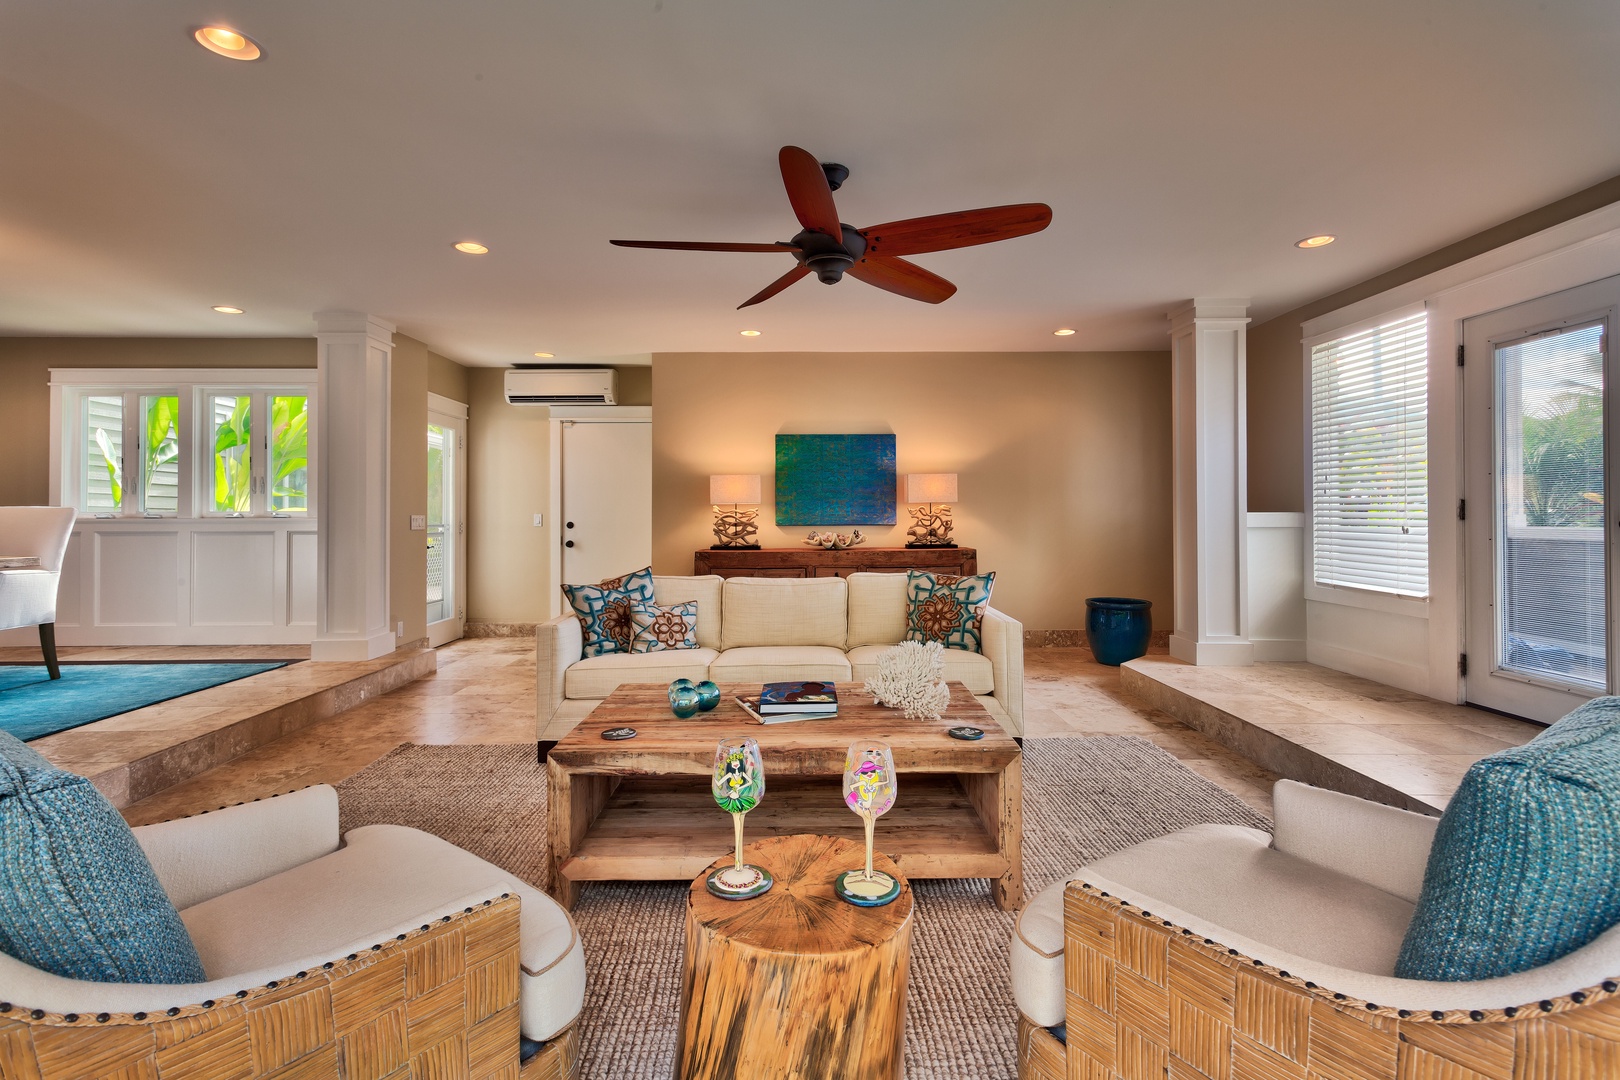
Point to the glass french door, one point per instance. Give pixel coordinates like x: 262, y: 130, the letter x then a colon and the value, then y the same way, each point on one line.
x: 446, y: 530
x: 1540, y: 537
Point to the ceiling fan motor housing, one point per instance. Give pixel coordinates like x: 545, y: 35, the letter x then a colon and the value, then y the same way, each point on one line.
x: 827, y: 257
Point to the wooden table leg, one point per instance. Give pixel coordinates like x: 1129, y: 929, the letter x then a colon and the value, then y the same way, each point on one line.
x: 1009, y: 888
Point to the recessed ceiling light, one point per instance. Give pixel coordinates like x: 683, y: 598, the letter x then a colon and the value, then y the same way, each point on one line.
x: 470, y: 247
x: 749, y: 333
x: 226, y: 309
x: 227, y: 42
x: 1315, y: 241
x: 1065, y: 332
x: 545, y: 355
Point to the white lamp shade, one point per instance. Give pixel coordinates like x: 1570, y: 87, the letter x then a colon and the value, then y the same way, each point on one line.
x: 931, y: 487
x: 734, y: 488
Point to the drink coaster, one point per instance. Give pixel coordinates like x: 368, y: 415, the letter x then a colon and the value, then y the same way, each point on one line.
x: 966, y: 734
x: 852, y: 887
x: 614, y: 734
x: 739, y: 883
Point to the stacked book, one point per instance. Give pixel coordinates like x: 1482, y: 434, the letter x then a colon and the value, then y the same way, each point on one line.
x: 781, y: 702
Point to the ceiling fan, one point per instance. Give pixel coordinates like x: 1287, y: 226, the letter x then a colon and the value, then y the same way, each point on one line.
x: 829, y: 249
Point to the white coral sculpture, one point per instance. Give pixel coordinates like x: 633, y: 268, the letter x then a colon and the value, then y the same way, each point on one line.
x: 911, y: 677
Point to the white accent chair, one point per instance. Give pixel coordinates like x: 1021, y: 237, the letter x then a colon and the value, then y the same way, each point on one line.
x: 28, y: 596
x: 268, y: 891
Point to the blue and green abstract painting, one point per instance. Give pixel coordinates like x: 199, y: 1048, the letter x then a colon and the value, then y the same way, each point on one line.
x: 835, y: 480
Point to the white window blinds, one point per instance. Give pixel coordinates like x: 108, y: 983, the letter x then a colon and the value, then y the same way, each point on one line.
x: 1370, y: 459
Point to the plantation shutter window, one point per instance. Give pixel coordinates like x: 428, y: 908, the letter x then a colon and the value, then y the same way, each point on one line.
x: 1370, y: 460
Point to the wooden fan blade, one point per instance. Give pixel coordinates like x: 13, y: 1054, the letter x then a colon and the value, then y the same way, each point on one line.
x: 776, y: 286
x: 964, y: 228
x: 701, y: 245
x: 905, y: 278
x: 807, y: 190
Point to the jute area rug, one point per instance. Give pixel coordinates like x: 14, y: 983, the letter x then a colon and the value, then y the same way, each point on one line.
x: 1083, y: 798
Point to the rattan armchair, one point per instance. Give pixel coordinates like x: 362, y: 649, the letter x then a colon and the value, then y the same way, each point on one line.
x: 1226, y: 953
x: 393, y: 955
x: 1147, y: 999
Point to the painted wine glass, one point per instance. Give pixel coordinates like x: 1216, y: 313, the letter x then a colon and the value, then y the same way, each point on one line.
x: 738, y: 784
x: 870, y: 786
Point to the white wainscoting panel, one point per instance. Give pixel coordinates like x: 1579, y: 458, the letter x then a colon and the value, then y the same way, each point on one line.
x: 137, y: 577
x: 1277, y: 586
x: 233, y: 578
x: 165, y: 581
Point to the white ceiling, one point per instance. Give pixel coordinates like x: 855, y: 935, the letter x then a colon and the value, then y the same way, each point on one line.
x: 1182, y: 144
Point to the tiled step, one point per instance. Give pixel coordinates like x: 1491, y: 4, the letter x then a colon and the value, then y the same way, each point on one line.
x: 137, y: 754
x: 1329, y: 729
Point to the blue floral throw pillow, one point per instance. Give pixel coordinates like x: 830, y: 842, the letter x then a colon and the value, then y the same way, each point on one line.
x: 946, y: 609
x: 660, y: 628
x: 604, y: 610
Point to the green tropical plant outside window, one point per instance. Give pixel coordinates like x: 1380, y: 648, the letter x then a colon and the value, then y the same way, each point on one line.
x: 289, y: 454
x: 233, y: 453
x: 104, y: 463
x: 160, y: 454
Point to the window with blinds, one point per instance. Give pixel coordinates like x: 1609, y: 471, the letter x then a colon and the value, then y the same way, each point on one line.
x: 1370, y: 460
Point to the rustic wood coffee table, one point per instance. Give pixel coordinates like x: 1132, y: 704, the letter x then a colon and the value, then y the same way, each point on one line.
x: 640, y: 810
x: 795, y: 983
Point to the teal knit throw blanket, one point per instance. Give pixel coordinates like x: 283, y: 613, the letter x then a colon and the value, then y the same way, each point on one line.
x: 1525, y: 865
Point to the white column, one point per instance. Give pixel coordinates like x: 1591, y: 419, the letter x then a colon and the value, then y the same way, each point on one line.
x: 354, y: 351
x: 1207, y: 358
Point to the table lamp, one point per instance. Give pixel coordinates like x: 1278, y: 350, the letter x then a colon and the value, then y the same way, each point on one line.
x: 930, y: 527
x: 734, y: 528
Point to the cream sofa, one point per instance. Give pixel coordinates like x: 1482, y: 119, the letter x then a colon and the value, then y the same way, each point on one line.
x: 757, y: 630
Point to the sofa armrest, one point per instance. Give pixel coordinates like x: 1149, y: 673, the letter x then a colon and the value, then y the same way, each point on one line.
x: 201, y: 857
x: 557, y: 644
x: 1380, y: 845
x: 1002, y: 639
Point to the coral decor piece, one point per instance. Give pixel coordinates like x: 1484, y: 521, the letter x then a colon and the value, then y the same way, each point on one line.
x: 911, y: 677
x: 835, y: 541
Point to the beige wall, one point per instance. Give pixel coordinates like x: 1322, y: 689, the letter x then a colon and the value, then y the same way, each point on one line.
x: 508, y: 482
x: 407, y: 484
x: 25, y: 388
x: 1063, y: 458
x: 1276, y: 370
x: 446, y: 378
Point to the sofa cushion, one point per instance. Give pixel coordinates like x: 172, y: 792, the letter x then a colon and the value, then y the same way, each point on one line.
x: 78, y: 897
x: 1525, y: 859
x: 662, y: 629
x: 604, y: 609
x: 971, y: 669
x: 877, y: 609
x: 599, y: 676
x: 946, y: 609
x: 1230, y: 876
x: 703, y: 588
x: 784, y: 611
x: 383, y: 876
x: 780, y: 663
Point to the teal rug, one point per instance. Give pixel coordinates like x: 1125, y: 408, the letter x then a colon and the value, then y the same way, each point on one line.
x: 33, y: 705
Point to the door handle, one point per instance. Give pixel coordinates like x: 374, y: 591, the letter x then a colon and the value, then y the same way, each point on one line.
x: 570, y: 525
x: 568, y: 543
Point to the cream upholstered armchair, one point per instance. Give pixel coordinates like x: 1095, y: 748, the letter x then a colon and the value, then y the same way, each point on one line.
x: 393, y: 953
x: 1222, y: 952
x: 28, y: 594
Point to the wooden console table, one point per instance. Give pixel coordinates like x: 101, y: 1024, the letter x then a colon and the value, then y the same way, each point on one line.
x: 807, y: 562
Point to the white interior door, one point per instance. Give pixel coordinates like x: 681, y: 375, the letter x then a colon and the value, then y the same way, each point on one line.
x: 446, y: 522
x: 605, y: 498
x: 1540, y: 539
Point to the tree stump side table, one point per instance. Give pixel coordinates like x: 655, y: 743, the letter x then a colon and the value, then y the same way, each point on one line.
x: 795, y: 983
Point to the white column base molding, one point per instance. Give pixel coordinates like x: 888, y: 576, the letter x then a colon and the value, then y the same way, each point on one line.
x: 1212, y: 653
x: 341, y: 650
x: 1278, y: 650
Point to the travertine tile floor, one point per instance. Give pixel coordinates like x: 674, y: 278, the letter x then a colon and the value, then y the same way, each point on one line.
x: 483, y: 692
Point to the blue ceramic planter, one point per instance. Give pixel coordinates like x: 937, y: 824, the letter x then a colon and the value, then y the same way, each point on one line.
x: 1118, y: 628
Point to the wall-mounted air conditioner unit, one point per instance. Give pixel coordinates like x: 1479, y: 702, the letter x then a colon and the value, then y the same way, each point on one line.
x: 562, y: 386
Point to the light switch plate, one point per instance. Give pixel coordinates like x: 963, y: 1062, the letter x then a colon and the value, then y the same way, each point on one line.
x: 418, y: 522
x: 539, y: 521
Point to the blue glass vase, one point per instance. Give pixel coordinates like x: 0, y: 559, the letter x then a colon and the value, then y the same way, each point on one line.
x: 708, y: 695
x: 683, y: 701
x: 1118, y: 628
